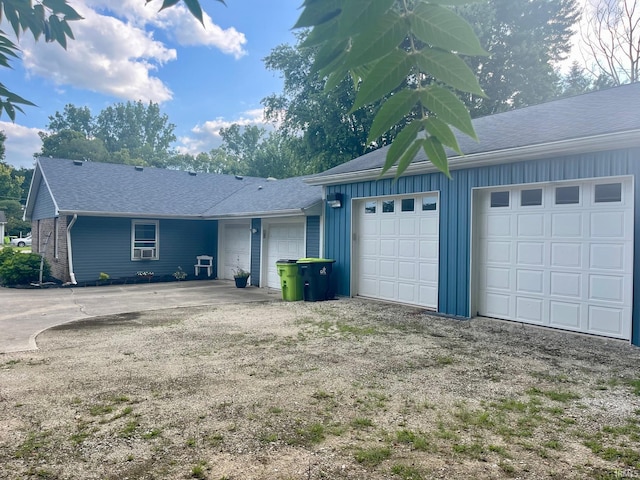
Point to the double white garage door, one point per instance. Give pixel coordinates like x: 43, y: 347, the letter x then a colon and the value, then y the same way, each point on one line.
x: 281, y: 240
x: 558, y: 255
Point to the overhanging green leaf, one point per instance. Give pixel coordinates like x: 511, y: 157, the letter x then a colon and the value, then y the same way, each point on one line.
x: 317, y: 13
x: 448, y: 108
x: 385, y: 76
x: 440, y: 27
x: 401, y: 143
x: 436, y: 155
x: 195, y: 9
x: 450, y: 69
x: 408, y: 156
x: 359, y: 15
x: 377, y: 41
x: 392, y: 112
x: 442, y: 132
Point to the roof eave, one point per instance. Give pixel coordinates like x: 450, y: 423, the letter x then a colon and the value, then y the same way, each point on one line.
x: 89, y: 213
x: 609, y: 141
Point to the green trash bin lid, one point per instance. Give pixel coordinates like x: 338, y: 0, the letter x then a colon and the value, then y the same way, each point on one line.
x: 286, y: 260
x: 316, y: 260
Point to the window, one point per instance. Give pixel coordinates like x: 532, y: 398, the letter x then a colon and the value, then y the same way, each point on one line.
x: 608, y: 192
x: 567, y: 195
x: 408, y: 205
x: 144, y: 240
x: 499, y: 199
x: 388, y: 206
x: 370, y: 207
x: 529, y: 198
x: 429, y: 203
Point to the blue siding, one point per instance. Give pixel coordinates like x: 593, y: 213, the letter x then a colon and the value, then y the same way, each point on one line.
x: 104, y: 245
x: 256, y: 239
x: 455, y: 215
x: 313, y: 237
x: 44, y: 206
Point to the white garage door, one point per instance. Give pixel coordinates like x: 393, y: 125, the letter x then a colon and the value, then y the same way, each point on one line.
x: 237, y: 249
x: 558, y: 255
x: 284, y: 240
x: 396, y: 249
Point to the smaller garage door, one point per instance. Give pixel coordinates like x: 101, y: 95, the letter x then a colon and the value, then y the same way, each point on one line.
x: 397, y: 248
x: 236, y: 248
x: 284, y: 240
x: 558, y: 255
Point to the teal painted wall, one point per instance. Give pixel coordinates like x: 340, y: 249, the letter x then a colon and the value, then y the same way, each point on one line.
x: 104, y: 245
x: 455, y: 215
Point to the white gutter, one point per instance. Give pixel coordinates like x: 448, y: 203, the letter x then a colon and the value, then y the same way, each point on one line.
x: 70, y: 251
x: 609, y: 141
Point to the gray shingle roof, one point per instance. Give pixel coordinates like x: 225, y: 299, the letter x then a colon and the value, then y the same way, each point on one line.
x: 597, y: 113
x: 103, y: 188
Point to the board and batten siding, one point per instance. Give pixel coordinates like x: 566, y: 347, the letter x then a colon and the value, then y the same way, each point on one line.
x: 104, y: 245
x: 312, y: 248
x: 455, y: 215
x: 44, y: 206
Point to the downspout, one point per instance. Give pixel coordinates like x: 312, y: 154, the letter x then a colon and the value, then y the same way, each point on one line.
x: 70, y: 251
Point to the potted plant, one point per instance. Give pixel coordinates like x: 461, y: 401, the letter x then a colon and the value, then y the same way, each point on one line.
x: 241, y: 276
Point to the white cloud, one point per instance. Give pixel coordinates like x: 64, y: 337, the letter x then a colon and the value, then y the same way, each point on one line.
x: 178, y: 22
x: 117, y: 55
x: 207, y: 135
x: 22, y: 142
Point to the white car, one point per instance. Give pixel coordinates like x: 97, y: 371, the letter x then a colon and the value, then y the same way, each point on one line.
x: 21, y: 242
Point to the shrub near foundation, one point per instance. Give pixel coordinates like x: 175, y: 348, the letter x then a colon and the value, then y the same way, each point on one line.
x: 20, y: 268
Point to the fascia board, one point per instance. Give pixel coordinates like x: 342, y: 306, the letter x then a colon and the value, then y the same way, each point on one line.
x: 609, y: 141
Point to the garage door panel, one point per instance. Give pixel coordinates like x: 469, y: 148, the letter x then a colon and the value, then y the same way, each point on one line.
x: 498, y: 252
x: 607, y: 225
x: 498, y: 226
x: 529, y: 281
x: 530, y: 310
x: 607, y: 321
x: 497, y: 278
x: 607, y: 256
x: 530, y: 253
x: 567, y: 266
x: 566, y: 225
x: 397, y: 249
x: 566, y: 254
x: 531, y: 225
x: 607, y: 288
x: 564, y: 315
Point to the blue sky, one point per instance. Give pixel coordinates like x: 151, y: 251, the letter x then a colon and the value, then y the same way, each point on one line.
x: 203, y: 78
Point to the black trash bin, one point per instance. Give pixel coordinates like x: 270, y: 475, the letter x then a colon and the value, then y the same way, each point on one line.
x: 316, y: 279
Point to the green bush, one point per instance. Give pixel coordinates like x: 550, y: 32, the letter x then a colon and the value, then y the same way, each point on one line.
x: 20, y: 268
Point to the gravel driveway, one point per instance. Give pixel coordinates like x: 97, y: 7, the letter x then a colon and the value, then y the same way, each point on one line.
x: 346, y: 389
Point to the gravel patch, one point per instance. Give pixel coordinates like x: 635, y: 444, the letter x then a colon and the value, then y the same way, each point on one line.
x: 346, y: 389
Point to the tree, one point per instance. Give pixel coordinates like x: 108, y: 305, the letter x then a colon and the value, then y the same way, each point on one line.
x: 3, y: 138
x: 78, y: 119
x: 49, y: 18
x: 611, y: 40
x: 330, y: 133
x: 141, y: 129
x: 72, y: 145
x: 10, y: 186
x: 524, y: 38
x: 131, y: 133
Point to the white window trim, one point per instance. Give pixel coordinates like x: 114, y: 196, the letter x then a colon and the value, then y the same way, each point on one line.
x: 155, y: 251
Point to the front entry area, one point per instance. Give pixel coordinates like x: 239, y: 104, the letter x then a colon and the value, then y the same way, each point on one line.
x: 396, y: 249
x: 557, y: 255
x: 236, y: 248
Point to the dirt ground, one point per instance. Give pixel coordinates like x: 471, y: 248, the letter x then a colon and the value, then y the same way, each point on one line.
x: 346, y: 389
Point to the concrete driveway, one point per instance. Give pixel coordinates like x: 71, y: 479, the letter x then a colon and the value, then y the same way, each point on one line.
x: 26, y: 313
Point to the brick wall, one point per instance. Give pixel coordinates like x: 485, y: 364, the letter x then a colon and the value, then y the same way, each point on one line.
x: 56, y: 251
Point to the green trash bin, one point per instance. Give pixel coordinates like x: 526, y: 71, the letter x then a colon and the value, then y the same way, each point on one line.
x: 290, y: 280
x: 316, y: 279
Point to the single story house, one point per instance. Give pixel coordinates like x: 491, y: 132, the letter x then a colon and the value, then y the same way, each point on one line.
x: 3, y: 223
x: 539, y: 224
x: 88, y: 218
